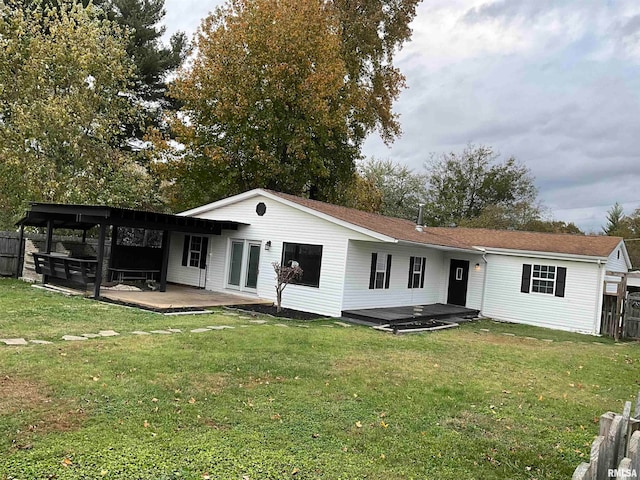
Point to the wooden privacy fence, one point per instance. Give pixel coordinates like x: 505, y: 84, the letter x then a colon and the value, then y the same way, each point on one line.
x: 615, y: 453
x: 9, y: 253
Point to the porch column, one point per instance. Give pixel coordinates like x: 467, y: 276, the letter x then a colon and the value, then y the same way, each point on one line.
x: 166, y: 245
x: 98, y: 280
x: 114, y: 242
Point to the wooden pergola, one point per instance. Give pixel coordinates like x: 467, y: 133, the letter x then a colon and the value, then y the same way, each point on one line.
x: 85, y: 217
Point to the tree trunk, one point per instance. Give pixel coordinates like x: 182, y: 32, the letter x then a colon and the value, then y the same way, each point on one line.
x: 278, y: 300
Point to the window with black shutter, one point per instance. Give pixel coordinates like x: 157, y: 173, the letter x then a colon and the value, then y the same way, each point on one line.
x: 417, y: 268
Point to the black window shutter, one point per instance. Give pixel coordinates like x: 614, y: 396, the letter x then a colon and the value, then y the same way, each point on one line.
x: 526, y: 278
x: 386, y: 281
x: 561, y: 277
x: 185, y: 250
x: 411, y: 262
x: 203, y: 252
x: 372, y: 276
x: 424, y: 267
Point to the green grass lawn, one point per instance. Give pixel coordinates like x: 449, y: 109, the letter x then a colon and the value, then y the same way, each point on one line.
x: 267, y: 401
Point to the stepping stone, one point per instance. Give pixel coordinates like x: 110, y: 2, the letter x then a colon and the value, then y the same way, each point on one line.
x: 174, y: 330
x: 219, y: 327
x: 330, y: 326
x: 244, y: 326
x: 530, y: 338
x: 509, y: 334
x: 73, y: 338
x: 342, y: 324
x: 280, y: 325
x: 199, y: 330
x: 161, y: 332
x: 14, y: 341
x: 548, y: 340
x: 90, y: 335
x: 260, y: 322
x: 140, y: 332
x: 244, y: 317
x: 108, y: 333
x: 41, y: 342
x: 485, y: 330
x: 303, y: 326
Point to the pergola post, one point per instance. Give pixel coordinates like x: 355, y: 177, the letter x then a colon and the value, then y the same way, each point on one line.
x: 47, y: 245
x: 20, y: 264
x: 166, y: 245
x: 98, y: 281
x: 114, y: 243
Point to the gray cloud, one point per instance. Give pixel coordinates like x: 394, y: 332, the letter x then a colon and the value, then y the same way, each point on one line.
x: 554, y: 83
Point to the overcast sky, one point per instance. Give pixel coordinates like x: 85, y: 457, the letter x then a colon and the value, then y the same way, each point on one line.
x: 554, y: 83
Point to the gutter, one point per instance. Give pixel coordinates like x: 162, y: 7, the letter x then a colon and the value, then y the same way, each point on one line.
x: 546, y: 255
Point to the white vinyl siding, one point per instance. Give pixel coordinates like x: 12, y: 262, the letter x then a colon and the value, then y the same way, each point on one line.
x: 616, y: 261
x: 284, y: 224
x: 576, y: 311
x: 185, y: 275
x: 356, y: 287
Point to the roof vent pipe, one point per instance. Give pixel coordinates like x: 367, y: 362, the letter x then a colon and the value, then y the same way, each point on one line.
x: 419, y: 223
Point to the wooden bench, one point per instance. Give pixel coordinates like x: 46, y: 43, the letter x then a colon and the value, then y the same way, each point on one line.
x: 77, y: 270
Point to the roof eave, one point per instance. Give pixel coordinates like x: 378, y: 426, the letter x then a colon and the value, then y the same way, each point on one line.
x: 441, y: 247
x: 260, y: 192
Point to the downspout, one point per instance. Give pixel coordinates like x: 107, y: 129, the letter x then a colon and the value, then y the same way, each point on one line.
x: 484, y: 281
x: 600, y: 292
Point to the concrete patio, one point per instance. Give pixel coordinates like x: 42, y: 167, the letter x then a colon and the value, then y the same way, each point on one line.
x: 180, y: 296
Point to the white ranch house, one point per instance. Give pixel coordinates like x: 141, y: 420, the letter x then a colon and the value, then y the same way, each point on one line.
x: 354, y: 260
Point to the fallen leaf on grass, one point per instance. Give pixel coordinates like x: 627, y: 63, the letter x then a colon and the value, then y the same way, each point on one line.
x: 154, y: 400
x: 359, y: 424
x: 66, y: 462
x: 146, y: 424
x: 295, y: 471
x: 384, y: 425
x: 192, y: 400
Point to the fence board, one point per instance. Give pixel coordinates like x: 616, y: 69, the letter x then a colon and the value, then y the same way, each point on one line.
x: 9, y: 251
x: 616, y: 450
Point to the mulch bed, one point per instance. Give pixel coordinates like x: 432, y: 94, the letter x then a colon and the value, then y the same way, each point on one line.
x: 285, y: 313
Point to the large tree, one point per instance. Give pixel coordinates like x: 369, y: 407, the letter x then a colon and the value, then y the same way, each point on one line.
x: 64, y: 77
x: 627, y: 227
x: 473, y: 185
x: 402, y: 190
x: 282, y: 93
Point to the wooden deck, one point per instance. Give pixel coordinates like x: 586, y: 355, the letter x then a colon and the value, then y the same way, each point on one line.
x: 395, y: 315
x: 180, y: 296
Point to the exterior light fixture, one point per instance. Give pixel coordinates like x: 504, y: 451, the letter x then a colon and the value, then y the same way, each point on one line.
x: 267, y: 245
x: 477, y: 267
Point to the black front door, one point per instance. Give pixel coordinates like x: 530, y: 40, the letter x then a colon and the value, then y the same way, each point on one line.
x: 458, y: 276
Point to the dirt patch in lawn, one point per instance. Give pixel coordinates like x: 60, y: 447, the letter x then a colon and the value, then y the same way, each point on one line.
x: 42, y: 412
x: 285, y: 313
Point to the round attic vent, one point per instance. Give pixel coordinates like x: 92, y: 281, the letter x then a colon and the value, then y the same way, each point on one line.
x: 261, y: 209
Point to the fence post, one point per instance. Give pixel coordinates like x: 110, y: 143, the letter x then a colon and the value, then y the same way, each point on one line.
x: 624, y: 425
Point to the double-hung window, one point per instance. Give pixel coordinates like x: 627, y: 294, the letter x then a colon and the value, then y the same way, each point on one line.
x: 417, y: 266
x: 380, y: 274
x: 543, y: 279
x: 546, y: 279
x: 194, y: 251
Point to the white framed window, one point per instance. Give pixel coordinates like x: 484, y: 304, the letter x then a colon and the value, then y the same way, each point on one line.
x: 416, y: 271
x: 380, y: 271
x: 195, y: 250
x: 543, y: 279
